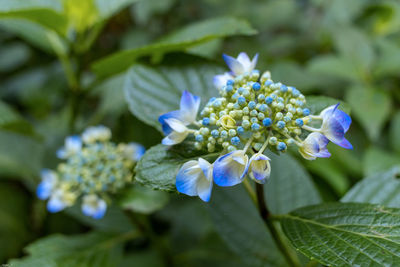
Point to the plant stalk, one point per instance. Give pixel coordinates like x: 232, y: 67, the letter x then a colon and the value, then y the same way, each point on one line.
x: 275, y: 232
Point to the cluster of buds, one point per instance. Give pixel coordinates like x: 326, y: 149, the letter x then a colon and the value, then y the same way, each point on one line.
x: 94, y: 167
x: 252, y: 114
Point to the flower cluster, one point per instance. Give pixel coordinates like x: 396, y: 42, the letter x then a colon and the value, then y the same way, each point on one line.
x: 94, y: 167
x: 252, y: 113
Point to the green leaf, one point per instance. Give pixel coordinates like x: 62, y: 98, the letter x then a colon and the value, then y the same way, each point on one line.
x: 378, y: 160
x: 33, y: 33
x: 380, y: 188
x: 19, y: 155
x: 44, y: 12
x: 394, y: 133
x: 144, y: 10
x: 151, y: 92
x: 159, y: 166
x: 318, y: 103
x: 108, y: 8
x: 180, y: 40
x: 346, y: 234
x: 237, y: 221
x: 371, y: 107
x: 388, y: 62
x: 334, y: 66
x: 7, y: 114
x: 287, y: 175
x: 142, y: 199
x: 92, y: 249
x: 13, y: 56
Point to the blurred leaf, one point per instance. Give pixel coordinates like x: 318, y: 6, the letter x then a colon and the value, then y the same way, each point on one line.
x: 142, y: 199
x: 7, y: 114
x: 113, y: 221
x: 151, y: 92
x: 13, y: 55
x: 112, y: 99
x: 341, y: 12
x: 14, y: 228
x: 371, y: 107
x: 334, y: 66
x: 395, y: 132
x: 180, y: 40
x: 158, y: 167
x: 380, y: 188
x: 388, y: 62
x: 19, y: 155
x: 81, y: 15
x: 143, y: 11
x: 33, y: 33
x: 355, y: 46
x: 287, y: 175
x: 108, y: 8
x: 377, y: 160
x: 345, y: 234
x: 10, y: 120
x: 44, y: 12
x: 144, y: 258
x: 318, y: 103
x: 92, y: 249
x: 334, y: 176
x: 207, y: 50
x: 237, y: 221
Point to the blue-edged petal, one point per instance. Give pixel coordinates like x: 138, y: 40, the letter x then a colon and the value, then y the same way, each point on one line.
x: 178, y: 134
x: 189, y: 106
x: 186, y: 179
x: 57, y: 202
x: 259, y: 168
x: 43, y: 191
x: 94, y: 207
x: 233, y: 64
x: 170, y: 115
x: 231, y: 168
x: 134, y: 151
x: 96, y: 133
x: 342, y: 117
x: 195, y: 179
x: 334, y: 131
x: 73, y: 145
x: 314, y: 146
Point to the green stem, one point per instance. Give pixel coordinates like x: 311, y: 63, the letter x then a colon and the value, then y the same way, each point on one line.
x: 250, y: 191
x: 265, y: 214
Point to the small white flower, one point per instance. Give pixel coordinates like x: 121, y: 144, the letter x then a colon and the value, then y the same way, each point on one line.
x: 96, y: 133
x: 241, y: 64
x: 178, y: 132
x: 259, y: 168
x: 231, y: 168
x: 314, y: 146
x: 59, y: 200
x: 49, y: 180
x: 73, y: 145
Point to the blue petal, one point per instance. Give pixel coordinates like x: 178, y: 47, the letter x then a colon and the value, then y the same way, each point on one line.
x: 345, y: 144
x: 162, y: 119
x: 343, y: 118
x: 189, y: 106
x: 186, y: 179
x: 220, y: 80
x: 334, y: 130
x: 235, y: 66
x: 43, y: 191
x: 55, y: 205
x: 225, y: 172
x: 61, y: 153
x: 204, y: 188
x: 100, y: 210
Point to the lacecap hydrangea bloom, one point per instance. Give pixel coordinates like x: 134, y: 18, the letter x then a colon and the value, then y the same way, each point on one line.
x: 94, y: 168
x: 251, y: 114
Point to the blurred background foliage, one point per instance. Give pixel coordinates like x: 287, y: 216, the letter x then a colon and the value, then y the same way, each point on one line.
x: 62, y: 68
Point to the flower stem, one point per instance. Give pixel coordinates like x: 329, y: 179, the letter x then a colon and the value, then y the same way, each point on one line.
x: 265, y: 214
x: 250, y: 191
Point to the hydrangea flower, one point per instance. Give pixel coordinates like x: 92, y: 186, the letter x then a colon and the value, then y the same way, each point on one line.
x: 251, y: 115
x: 93, y: 169
x: 195, y: 179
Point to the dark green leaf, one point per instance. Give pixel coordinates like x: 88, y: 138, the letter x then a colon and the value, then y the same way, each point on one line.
x: 108, y: 8
x: 19, y: 155
x: 151, y: 92
x: 237, y: 221
x: 346, y: 234
x: 92, y: 249
x: 143, y: 200
x: 380, y: 188
x: 13, y: 55
x: 180, y: 40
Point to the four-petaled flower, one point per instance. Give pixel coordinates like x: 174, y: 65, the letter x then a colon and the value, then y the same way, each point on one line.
x: 93, y: 206
x: 259, y: 168
x: 314, y: 146
x: 230, y: 169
